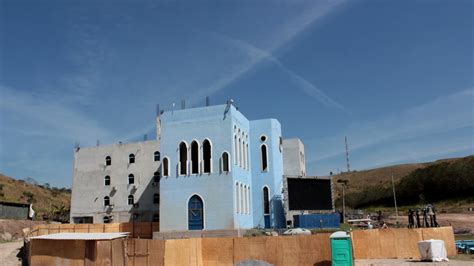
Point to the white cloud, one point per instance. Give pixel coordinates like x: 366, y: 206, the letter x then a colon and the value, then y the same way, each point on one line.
x: 445, y: 113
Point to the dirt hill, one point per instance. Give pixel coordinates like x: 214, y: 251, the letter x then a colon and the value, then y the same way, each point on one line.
x: 371, y: 187
x: 46, y: 201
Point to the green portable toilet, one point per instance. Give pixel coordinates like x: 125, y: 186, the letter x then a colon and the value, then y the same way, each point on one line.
x: 341, y: 249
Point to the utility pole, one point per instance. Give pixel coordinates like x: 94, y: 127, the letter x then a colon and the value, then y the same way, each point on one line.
x: 395, y: 198
x: 344, y: 184
x: 347, y: 156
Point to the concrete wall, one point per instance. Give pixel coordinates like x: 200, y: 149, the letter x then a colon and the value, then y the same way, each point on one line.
x: 89, y: 190
x: 294, y: 157
x: 9, y: 210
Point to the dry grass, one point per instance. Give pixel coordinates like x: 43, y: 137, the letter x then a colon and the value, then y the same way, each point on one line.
x: 43, y: 199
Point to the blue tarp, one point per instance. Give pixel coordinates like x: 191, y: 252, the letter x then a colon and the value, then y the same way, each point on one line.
x: 330, y: 220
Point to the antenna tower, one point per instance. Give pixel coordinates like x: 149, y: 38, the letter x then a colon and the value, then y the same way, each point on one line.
x: 347, y: 156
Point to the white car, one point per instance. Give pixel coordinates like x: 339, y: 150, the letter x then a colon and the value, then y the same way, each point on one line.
x: 297, y: 231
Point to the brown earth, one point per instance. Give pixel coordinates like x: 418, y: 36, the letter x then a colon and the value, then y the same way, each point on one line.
x: 8, y: 252
x: 15, y: 227
x: 13, y: 190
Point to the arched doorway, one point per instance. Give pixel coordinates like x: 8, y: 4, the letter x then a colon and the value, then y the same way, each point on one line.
x: 195, y: 213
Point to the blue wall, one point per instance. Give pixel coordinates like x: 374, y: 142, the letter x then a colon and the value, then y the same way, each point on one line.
x: 331, y: 220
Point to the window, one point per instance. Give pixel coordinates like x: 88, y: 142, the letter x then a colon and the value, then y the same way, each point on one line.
x: 194, y: 157
x: 236, y: 153
x: 266, y: 201
x: 131, y: 179
x: 241, y: 194
x: 264, y: 156
x: 106, y: 219
x: 245, y: 199
x: 166, y: 166
x: 225, y: 162
x: 248, y: 202
x: 237, y: 197
x: 131, y: 158
x: 156, y: 217
x: 247, y: 152
x: 156, y: 156
x: 206, y: 154
x: 106, y: 201
x: 156, y: 176
x: 156, y: 198
x: 240, y: 152
x: 243, y: 155
x: 183, y: 158
x: 263, y: 138
x: 107, y: 180
x: 130, y: 200
x: 108, y: 160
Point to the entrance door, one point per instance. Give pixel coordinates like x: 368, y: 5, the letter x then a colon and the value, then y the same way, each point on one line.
x: 195, y: 213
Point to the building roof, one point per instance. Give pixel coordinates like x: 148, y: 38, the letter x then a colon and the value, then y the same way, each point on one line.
x: 82, y: 236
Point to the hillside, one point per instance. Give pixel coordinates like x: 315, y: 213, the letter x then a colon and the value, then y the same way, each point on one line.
x: 442, y: 180
x: 46, y: 201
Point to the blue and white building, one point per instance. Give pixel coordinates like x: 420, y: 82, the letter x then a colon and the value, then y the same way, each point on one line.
x: 210, y: 168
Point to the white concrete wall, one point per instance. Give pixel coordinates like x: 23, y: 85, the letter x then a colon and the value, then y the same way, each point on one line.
x: 89, y: 190
x: 293, y: 157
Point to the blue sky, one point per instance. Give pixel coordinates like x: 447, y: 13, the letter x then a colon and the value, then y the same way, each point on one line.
x: 396, y: 77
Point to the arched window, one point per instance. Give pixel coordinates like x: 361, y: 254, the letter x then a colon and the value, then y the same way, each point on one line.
x: 156, y: 198
x: 107, y: 180
x: 247, y: 152
x: 156, y: 217
x: 264, y: 156
x: 156, y: 176
x: 106, y: 201
x: 266, y: 201
x: 183, y: 158
x: 236, y: 152
x: 130, y: 200
x: 108, y: 160
x: 206, y: 155
x: 237, y: 197
x: 240, y: 152
x: 225, y: 162
x: 244, y: 159
x: 241, y: 192
x: 156, y: 156
x: 248, y: 202
x: 131, y: 179
x: 166, y: 166
x: 245, y: 199
x: 194, y: 157
x: 131, y: 158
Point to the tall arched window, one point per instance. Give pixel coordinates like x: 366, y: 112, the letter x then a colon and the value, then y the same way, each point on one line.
x: 194, y: 157
x: 131, y: 158
x: 156, y: 198
x: 264, y: 156
x: 241, y: 192
x: 240, y: 152
x: 131, y: 179
x: 166, y: 166
x: 107, y: 180
x: 106, y: 201
x: 236, y: 154
x: 247, y: 152
x: 266, y: 201
x: 183, y: 158
x: 206, y: 155
x: 131, y: 201
x: 156, y: 176
x: 245, y: 199
x: 225, y: 162
x: 237, y: 197
x: 248, y: 202
x: 108, y: 160
x: 156, y: 156
x: 244, y: 154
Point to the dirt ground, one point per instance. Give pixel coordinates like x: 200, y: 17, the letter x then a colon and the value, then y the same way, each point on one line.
x: 388, y: 262
x: 8, y: 251
x: 14, y: 227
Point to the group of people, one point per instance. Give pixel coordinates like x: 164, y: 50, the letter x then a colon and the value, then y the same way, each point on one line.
x: 427, y: 213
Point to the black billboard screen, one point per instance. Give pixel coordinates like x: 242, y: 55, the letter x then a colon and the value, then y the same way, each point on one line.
x: 309, y: 194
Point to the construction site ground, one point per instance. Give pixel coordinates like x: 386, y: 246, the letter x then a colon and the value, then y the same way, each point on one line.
x: 8, y: 252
